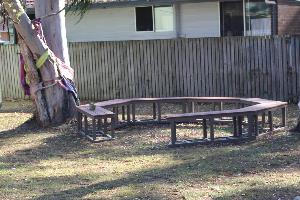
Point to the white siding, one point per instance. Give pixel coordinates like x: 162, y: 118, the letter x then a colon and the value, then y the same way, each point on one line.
x: 114, y: 24
x: 200, y: 20
x: 109, y: 25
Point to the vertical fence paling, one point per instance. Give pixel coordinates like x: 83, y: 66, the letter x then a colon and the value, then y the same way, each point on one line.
x: 265, y: 67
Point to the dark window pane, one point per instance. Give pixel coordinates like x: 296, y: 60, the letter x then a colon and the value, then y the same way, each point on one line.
x: 144, y: 18
x: 232, y: 20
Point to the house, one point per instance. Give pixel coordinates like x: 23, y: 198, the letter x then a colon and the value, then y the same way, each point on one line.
x: 113, y: 20
x: 117, y: 20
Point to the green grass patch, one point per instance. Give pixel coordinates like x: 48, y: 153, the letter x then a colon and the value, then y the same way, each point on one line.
x: 55, y: 163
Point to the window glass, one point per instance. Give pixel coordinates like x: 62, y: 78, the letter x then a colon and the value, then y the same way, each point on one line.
x: 232, y: 19
x: 163, y: 18
x: 144, y: 18
x: 258, y: 18
x: 4, y: 34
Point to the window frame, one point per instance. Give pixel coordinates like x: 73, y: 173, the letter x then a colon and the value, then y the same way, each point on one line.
x: 153, y: 19
x: 11, y: 33
x: 135, y: 22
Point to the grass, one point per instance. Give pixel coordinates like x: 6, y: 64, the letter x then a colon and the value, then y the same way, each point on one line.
x: 55, y: 164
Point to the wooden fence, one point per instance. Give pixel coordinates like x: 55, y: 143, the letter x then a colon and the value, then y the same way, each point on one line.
x: 266, y: 67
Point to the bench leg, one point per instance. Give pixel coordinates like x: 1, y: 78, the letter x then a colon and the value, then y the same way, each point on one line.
x: 113, y: 125
x: 154, y: 111
x: 256, y: 125
x: 105, y: 126
x: 240, y: 126
x: 86, y: 125
x: 158, y: 111
x: 191, y: 107
x: 123, y: 113
x: 133, y: 112
x: 128, y: 113
x: 94, y: 129
x: 116, y: 111
x: 183, y: 107
x: 263, y: 120
x: 283, y: 119
x: 204, y: 125
x: 221, y: 106
x: 270, y: 121
x: 173, y: 132
x: 79, y: 122
x: 211, y: 129
x: 235, y: 127
x: 99, y: 124
x: 250, y: 126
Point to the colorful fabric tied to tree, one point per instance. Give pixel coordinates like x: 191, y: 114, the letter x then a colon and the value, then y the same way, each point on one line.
x: 24, y: 82
x: 65, y: 73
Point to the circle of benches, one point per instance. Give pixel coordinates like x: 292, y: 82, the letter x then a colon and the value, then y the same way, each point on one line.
x: 104, y: 120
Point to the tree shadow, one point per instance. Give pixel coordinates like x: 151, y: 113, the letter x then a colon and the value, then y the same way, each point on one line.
x: 269, y: 155
x: 29, y: 126
x: 272, y: 192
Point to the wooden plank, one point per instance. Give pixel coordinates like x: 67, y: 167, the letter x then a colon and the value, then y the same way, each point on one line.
x: 177, y: 68
x: 202, y: 67
x: 172, y: 70
x: 269, y: 67
x: 204, y: 125
x: 181, y: 68
x: 198, y: 67
x: 285, y: 67
x: 279, y: 55
x: 222, y: 65
x: 232, y: 67
x: 184, y: 68
x: 297, y: 64
x: 206, y: 67
x: 226, y: 64
x: 153, y: 71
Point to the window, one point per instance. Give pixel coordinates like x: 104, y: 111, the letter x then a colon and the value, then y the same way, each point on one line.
x: 157, y: 18
x: 232, y: 20
x: 144, y: 18
x: 6, y: 32
x: 248, y: 17
x: 258, y: 18
x: 163, y: 18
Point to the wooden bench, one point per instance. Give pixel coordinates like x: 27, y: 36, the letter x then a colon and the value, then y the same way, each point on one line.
x: 99, y: 129
x: 207, y: 119
x: 248, y: 108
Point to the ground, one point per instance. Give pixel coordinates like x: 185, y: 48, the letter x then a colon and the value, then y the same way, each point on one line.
x: 55, y: 163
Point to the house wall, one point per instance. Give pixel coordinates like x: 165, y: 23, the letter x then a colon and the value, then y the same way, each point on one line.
x: 288, y: 18
x: 200, y: 20
x: 115, y: 24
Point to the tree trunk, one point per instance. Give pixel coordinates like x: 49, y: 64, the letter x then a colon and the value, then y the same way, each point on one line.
x: 54, y: 104
x: 54, y: 26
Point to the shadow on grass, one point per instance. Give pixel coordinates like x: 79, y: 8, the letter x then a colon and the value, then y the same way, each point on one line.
x: 263, y: 193
x: 195, y: 164
x: 197, y: 170
x: 266, y: 155
x: 30, y: 126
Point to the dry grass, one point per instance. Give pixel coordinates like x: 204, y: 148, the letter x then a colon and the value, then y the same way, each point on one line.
x: 54, y: 163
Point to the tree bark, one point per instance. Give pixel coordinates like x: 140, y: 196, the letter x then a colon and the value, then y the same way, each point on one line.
x: 54, y: 26
x: 57, y: 104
